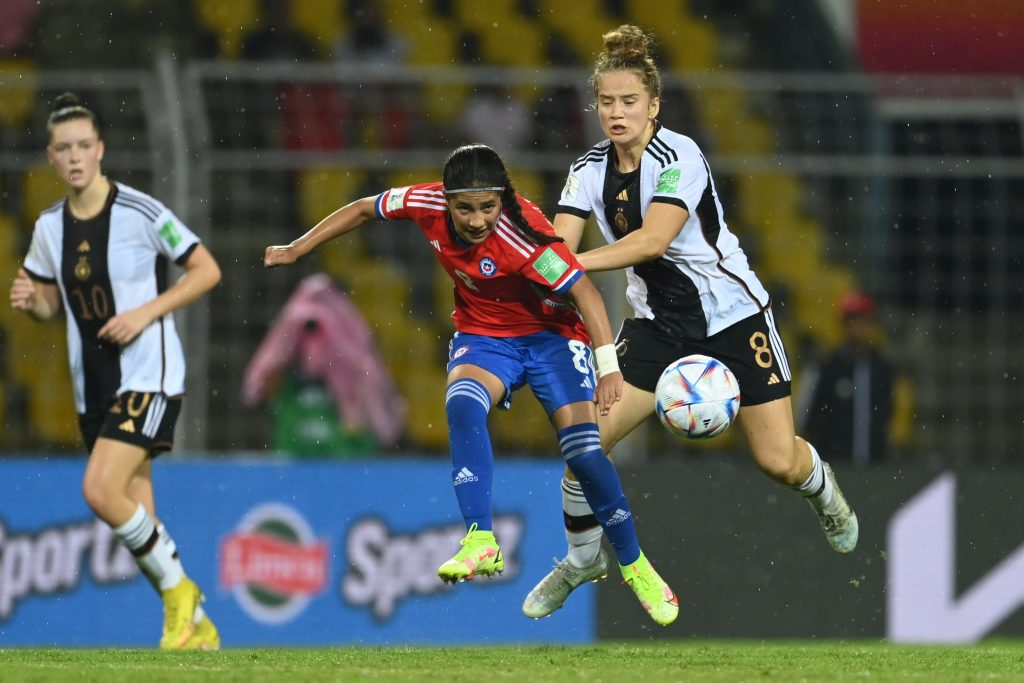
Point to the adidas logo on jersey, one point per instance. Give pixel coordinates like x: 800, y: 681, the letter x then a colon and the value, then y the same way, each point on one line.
x: 586, y: 383
x: 773, y: 379
x: 436, y: 244
x: 127, y: 426
x: 619, y: 517
x: 465, y: 476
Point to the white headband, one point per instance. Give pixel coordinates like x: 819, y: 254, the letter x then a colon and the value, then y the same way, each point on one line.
x: 475, y: 189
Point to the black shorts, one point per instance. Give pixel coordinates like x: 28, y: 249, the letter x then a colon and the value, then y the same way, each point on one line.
x: 751, y: 348
x: 142, y: 419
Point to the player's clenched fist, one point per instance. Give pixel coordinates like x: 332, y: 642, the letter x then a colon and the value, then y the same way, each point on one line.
x: 23, y: 292
x: 279, y: 256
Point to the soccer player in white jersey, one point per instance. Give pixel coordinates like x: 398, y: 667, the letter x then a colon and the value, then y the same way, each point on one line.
x: 101, y: 253
x: 692, y: 291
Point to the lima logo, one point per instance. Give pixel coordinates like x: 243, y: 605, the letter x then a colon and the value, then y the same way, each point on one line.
x: 273, y: 564
x: 488, y: 267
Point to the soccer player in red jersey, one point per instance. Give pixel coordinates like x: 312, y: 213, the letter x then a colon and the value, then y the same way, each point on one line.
x: 525, y: 313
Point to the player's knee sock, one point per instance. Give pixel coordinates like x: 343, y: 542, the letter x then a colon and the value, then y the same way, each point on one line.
x: 154, y: 551
x: 200, y: 612
x: 581, y: 446
x: 817, y: 488
x: 467, y: 403
x: 582, y: 531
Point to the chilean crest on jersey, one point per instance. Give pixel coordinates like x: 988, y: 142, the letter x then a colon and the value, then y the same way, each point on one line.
x: 550, y: 266
x: 488, y: 267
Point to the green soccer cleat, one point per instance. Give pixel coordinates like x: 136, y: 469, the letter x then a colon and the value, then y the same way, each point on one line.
x: 480, y: 554
x: 651, y: 590
x: 552, y: 591
x: 180, y: 605
x: 838, y: 520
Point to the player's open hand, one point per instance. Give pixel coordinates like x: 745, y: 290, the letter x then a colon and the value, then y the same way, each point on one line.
x: 279, y: 256
x: 609, y: 391
x: 23, y: 292
x: 124, y: 328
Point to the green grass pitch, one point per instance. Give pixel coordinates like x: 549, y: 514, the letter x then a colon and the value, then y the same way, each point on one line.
x: 661, y: 662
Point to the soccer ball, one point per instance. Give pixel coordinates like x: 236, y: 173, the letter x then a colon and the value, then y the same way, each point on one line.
x: 697, y: 397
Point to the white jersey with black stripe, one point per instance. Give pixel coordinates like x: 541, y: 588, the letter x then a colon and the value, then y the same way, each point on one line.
x: 104, y: 266
x: 703, y: 283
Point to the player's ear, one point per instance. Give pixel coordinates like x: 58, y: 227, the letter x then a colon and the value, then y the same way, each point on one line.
x: 100, y: 149
x: 654, y: 108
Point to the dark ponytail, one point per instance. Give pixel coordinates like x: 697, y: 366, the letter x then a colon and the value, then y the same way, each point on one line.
x: 67, y: 107
x: 479, y: 166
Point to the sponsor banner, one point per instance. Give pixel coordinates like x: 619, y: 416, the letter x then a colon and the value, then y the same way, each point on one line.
x: 940, y: 558
x: 286, y: 553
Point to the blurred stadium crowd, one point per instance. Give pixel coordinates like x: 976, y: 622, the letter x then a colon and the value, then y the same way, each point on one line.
x: 290, y: 108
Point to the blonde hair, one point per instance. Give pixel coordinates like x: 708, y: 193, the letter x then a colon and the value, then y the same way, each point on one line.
x: 628, y: 48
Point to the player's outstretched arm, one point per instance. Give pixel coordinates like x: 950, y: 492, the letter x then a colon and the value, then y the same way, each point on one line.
x: 38, y: 299
x: 589, y: 303
x: 661, y: 225
x: 345, y: 219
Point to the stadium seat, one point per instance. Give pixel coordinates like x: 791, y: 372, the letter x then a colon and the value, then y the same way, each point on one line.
x: 409, y: 16
x: 230, y: 20
x: 379, y: 289
x: 431, y: 44
x: 323, y: 190
x: 412, y: 176
x: 513, y: 41
x: 10, y: 259
x: 37, y: 359
x: 485, y: 17
x: 17, y: 92
x: 583, y: 30
x: 323, y: 22
x: 423, y: 387
x: 40, y: 189
x: 530, y: 184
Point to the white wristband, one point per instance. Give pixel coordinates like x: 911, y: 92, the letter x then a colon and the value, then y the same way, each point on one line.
x: 606, y: 359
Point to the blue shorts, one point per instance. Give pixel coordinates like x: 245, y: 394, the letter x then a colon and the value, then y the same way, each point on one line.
x: 560, y: 371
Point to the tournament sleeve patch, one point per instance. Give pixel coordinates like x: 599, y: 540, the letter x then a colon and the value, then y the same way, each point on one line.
x: 170, y: 233
x: 550, y: 266
x: 396, y: 198
x: 668, y: 182
x: 571, y: 189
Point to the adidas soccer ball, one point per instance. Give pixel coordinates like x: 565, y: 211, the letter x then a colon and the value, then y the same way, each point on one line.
x: 697, y: 397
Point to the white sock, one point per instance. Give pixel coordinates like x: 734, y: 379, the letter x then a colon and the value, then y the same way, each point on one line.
x: 817, y: 488
x: 584, y: 540
x: 154, y: 550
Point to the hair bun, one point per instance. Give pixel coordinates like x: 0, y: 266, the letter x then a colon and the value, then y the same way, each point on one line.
x: 65, y: 100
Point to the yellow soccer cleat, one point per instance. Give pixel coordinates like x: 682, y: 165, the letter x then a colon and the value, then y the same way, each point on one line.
x: 204, y: 637
x: 651, y: 590
x: 480, y: 554
x: 180, y: 605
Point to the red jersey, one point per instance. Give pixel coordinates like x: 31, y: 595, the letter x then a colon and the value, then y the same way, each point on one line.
x: 506, y: 286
